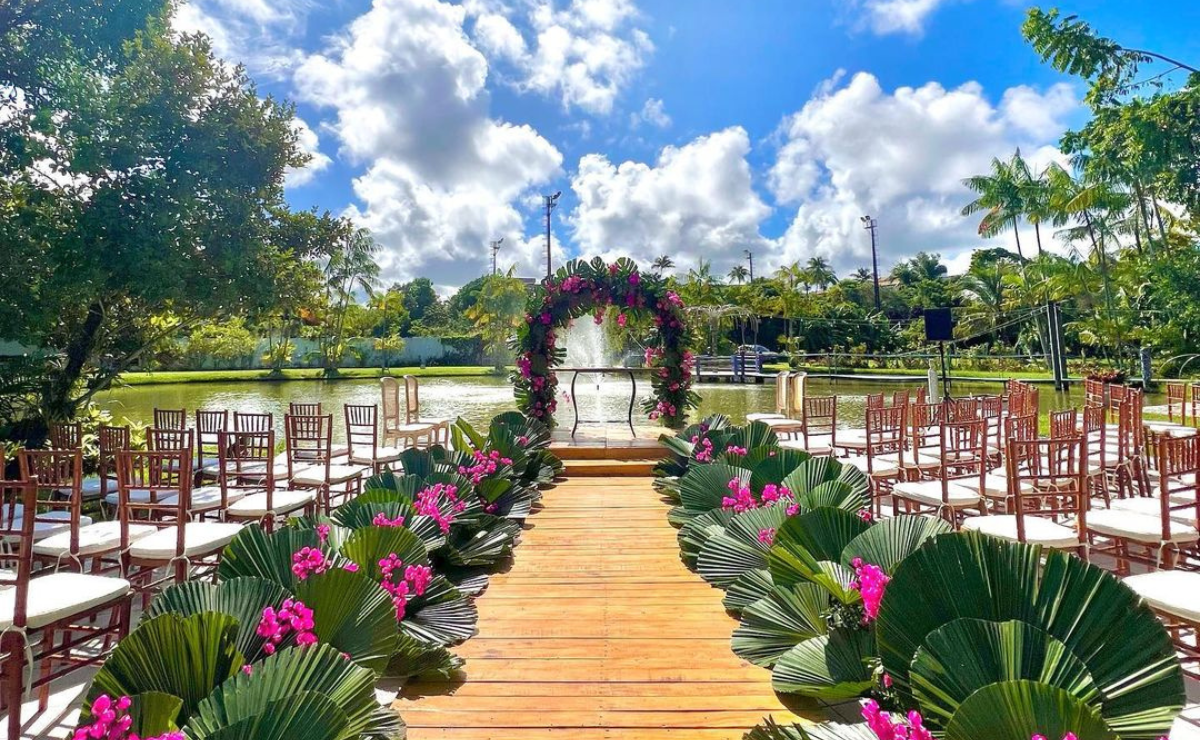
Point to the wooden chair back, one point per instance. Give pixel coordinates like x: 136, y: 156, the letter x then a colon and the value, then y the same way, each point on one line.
x: 820, y: 417
x: 253, y: 422
x: 1047, y: 477
x: 874, y: 401
x: 1178, y: 461
x: 170, y: 418
x: 393, y: 417
x: 362, y: 430
x: 924, y: 428
x: 65, y: 435
x: 154, y: 487
x: 304, y: 409
x: 1064, y: 423
x: 885, y: 432
x: 59, y: 473
x: 309, y: 441
x: 412, y: 399
x: 246, y: 463
x: 16, y: 557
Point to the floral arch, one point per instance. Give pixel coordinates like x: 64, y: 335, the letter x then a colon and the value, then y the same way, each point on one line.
x: 581, y: 288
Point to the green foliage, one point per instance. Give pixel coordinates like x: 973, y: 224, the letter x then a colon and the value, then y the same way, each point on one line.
x: 497, y: 313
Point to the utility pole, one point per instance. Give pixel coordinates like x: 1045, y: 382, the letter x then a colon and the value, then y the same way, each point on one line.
x: 495, y: 250
x: 551, y: 202
x: 750, y: 256
x: 870, y: 224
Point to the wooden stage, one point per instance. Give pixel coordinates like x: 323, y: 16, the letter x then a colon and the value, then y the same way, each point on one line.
x: 597, y: 632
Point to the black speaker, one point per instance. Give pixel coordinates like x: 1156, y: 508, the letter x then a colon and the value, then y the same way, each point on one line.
x: 939, y: 325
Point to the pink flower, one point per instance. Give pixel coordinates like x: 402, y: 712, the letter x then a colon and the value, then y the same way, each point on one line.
x: 546, y: 319
x: 622, y: 320
x: 352, y: 567
x: 599, y: 317
x: 735, y: 450
x: 381, y: 520
x: 291, y: 617
x: 403, y: 583
x: 888, y: 727
x: 322, y: 532
x: 430, y: 503
x: 866, y: 515
x: 307, y: 561
x: 767, y: 536
x: 634, y: 278
x: 871, y: 582
x: 248, y: 669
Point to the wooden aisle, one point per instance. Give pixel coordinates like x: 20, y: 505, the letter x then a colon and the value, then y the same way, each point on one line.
x: 598, y: 631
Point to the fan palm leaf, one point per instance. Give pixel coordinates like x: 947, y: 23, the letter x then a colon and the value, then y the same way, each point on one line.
x: 747, y: 589
x: 353, y: 614
x: 889, y: 542
x: 304, y: 716
x: 780, y: 620
x: 241, y: 598
x: 1018, y: 710
x: 831, y: 667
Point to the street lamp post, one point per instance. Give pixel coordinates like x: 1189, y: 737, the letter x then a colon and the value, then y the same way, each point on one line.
x: 750, y: 256
x: 870, y: 224
x: 496, y: 250
x: 551, y: 202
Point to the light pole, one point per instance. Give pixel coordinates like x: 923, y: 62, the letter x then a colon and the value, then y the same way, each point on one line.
x: 495, y: 250
x: 551, y: 202
x: 750, y: 256
x: 870, y: 225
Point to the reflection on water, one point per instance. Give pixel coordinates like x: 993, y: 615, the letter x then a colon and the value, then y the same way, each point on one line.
x: 479, y: 399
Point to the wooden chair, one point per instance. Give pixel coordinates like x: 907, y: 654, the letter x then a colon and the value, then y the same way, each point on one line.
x: 109, y: 441
x: 252, y: 422
x: 60, y: 510
x: 900, y: 398
x: 178, y: 543
x: 818, y: 426
x: 80, y: 539
x: 246, y: 481
x: 1047, y: 483
x: 440, y: 425
x: 362, y: 438
x: 1155, y: 530
x: 158, y: 440
x: 304, y: 409
x: 47, y: 620
x: 310, y: 460
x: 956, y: 484
x: 170, y: 418
x: 924, y: 438
x: 65, y: 436
x: 396, y: 427
x: 1177, y: 402
x: 1064, y: 423
x: 209, y: 425
x: 882, y: 454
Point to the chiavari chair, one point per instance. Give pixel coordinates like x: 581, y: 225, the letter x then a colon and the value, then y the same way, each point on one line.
x: 247, y: 459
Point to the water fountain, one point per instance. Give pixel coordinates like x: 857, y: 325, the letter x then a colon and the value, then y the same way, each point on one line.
x: 598, y: 396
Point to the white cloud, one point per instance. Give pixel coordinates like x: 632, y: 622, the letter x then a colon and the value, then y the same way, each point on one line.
x: 584, y: 54
x: 309, y: 143
x: 262, y: 34
x: 695, y: 202
x: 898, y: 16
x: 653, y: 113
x: 407, y: 89
x: 901, y: 157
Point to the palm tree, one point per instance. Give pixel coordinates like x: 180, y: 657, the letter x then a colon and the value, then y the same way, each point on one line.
x: 662, y: 264
x: 351, y: 265
x: 862, y: 274
x: 1000, y: 198
x: 739, y: 274
x: 1035, y: 195
x: 820, y: 273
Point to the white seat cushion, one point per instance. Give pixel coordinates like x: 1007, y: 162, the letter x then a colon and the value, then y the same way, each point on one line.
x: 1038, y: 531
x: 94, y: 539
x: 1174, y: 592
x: 140, y: 496
x: 848, y: 437
x: 881, y: 464
x: 1175, y: 430
x: 1153, y: 507
x: 60, y: 596
x: 814, y: 447
x: 314, y: 475
x: 200, y: 538
x: 762, y: 417
x: 782, y: 423
x: 1138, y: 527
x: 90, y: 487
x: 929, y: 492
x: 279, y: 469
x: 209, y: 497
x: 383, y: 454
x: 283, y: 502
x: 61, y: 523
x: 436, y: 421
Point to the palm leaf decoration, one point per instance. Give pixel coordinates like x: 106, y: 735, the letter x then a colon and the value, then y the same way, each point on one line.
x: 832, y: 667
x: 752, y: 436
x: 726, y: 555
x: 154, y: 713
x: 822, y: 481
x: 704, y: 486
x: 778, y: 464
x: 184, y: 657
x: 442, y: 623
x: 352, y: 614
x: 967, y: 654
x: 315, y: 668
x: 255, y: 553
x: 367, y: 546
x: 1099, y: 619
x: 889, y: 542
x: 808, y: 547
x: 696, y: 532
x: 241, y: 598
x: 486, y: 546
x: 304, y: 716
x: 779, y: 621
x: 1017, y: 710
x: 361, y: 511
x: 770, y: 730
x: 418, y: 659
x: 747, y: 589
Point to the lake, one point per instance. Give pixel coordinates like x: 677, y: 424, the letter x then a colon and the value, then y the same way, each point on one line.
x: 478, y: 399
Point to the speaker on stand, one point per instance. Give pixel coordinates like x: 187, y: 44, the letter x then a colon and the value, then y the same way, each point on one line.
x: 939, y: 327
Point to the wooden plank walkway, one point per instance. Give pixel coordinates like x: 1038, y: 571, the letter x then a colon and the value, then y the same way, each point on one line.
x: 598, y: 632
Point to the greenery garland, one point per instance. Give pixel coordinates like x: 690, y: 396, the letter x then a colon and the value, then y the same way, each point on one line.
x: 581, y: 288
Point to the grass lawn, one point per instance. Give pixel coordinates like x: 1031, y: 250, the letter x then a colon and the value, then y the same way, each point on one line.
x: 226, y: 376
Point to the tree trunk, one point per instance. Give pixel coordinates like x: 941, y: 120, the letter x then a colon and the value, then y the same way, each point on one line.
x: 1017, y: 234
x: 1037, y: 231
x: 57, y: 403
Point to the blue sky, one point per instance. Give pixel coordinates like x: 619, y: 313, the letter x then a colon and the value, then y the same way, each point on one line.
x: 696, y: 129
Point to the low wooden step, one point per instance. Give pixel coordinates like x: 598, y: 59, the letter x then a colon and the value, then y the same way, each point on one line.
x: 644, y: 451
x: 608, y: 468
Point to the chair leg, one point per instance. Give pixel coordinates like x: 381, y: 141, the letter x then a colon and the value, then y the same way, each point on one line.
x: 12, y: 677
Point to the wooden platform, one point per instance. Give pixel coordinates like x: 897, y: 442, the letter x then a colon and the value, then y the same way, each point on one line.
x: 598, y: 631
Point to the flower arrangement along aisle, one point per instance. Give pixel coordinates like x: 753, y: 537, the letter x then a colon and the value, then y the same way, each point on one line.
x: 581, y: 288
x: 302, y: 623
x: 940, y: 633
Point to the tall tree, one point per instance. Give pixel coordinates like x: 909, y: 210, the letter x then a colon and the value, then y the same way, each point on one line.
x: 820, y: 272
x: 739, y: 274
x: 999, y: 199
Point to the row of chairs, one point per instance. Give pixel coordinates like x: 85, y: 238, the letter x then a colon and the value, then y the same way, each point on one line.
x: 1183, y: 403
x: 67, y: 581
